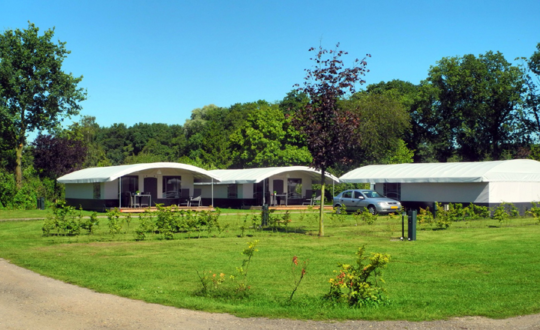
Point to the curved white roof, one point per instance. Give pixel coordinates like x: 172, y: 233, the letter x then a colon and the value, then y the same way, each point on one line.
x: 514, y: 170
x: 111, y: 173
x: 256, y: 175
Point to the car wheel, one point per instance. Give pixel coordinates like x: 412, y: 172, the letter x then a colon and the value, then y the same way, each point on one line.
x: 372, y: 209
x: 338, y: 209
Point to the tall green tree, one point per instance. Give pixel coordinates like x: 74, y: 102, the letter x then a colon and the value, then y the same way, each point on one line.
x: 413, y: 98
x: 473, y: 107
x: 383, y: 121
x: 267, y: 138
x: 531, y: 75
x: 35, y: 93
x: 86, y: 130
x: 328, y: 128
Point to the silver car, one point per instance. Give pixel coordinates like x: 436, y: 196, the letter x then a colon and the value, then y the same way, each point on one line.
x: 357, y: 199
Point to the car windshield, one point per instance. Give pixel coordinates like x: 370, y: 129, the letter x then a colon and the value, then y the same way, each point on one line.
x: 372, y: 194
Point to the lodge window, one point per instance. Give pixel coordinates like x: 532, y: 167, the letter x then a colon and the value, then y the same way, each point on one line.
x: 97, y: 190
x: 130, y: 184
x: 392, y: 190
x: 294, y: 188
x: 171, y: 186
x: 232, y: 191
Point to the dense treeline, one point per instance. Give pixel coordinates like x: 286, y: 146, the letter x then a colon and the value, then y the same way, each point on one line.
x: 469, y: 108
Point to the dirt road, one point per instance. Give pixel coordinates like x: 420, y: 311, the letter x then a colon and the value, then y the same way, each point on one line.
x: 31, y: 301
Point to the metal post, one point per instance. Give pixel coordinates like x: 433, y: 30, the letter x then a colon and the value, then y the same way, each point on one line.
x: 264, y: 192
x: 120, y: 194
x: 212, y: 192
x: 402, y: 226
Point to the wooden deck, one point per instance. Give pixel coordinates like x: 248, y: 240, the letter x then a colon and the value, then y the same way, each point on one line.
x: 154, y: 209
x: 299, y: 207
x: 208, y: 208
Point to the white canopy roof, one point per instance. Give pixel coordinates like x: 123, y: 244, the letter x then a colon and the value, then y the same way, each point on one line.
x: 515, y: 170
x: 111, y: 173
x: 256, y: 175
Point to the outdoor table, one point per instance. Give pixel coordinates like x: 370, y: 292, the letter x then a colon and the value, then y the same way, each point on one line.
x: 140, y: 196
x: 275, y: 196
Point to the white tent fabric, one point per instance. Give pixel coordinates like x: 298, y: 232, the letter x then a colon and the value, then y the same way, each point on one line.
x: 111, y: 173
x: 256, y: 175
x: 515, y: 170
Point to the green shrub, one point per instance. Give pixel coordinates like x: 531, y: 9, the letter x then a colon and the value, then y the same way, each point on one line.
x: 115, y: 222
x: 89, y: 223
x: 65, y: 220
x: 367, y: 217
x: 442, y: 221
x: 500, y: 213
x: 7, y: 189
x: 146, y: 226
x: 476, y: 211
x: 425, y: 217
x: 455, y: 212
x: 33, y: 187
x: 534, y: 211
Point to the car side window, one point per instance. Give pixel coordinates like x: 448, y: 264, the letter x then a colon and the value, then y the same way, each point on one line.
x: 347, y: 194
x: 357, y: 194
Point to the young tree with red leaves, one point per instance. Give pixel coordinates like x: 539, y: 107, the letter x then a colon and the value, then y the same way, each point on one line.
x: 56, y: 156
x: 327, y: 127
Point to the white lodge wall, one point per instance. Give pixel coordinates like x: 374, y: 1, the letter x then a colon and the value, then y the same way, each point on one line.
x: 245, y: 191
x: 514, y: 192
x: 110, y: 189
x: 80, y: 190
x: 475, y: 192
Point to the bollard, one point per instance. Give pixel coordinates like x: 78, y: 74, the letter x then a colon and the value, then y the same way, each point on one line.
x: 403, y: 215
x: 264, y: 215
x: 411, y: 229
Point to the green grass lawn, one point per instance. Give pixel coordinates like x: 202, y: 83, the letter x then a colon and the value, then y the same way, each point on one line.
x: 473, y: 268
x: 31, y: 214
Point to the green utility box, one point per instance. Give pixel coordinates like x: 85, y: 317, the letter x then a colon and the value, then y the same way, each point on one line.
x: 411, y: 228
x: 41, y: 203
x: 264, y: 216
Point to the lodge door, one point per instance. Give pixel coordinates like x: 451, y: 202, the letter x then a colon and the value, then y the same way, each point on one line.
x: 150, y: 187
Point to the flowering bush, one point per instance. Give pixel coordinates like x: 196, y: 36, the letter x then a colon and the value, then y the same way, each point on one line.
x: 297, y: 279
x: 359, y: 285
x: 210, y: 281
x: 233, y: 286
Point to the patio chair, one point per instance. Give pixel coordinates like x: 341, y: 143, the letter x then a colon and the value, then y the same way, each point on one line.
x: 133, y: 201
x: 145, y: 200
x: 308, y: 199
x: 196, y: 198
x: 184, y: 197
x: 315, y: 200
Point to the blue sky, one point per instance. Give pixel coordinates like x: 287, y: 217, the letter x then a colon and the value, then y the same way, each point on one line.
x: 156, y: 61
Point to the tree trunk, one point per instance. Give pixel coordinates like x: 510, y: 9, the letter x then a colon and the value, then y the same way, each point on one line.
x: 18, y: 169
x: 321, y: 223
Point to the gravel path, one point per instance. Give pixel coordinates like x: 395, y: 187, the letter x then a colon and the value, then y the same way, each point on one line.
x: 31, y: 301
